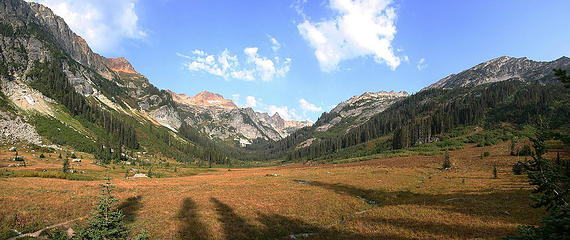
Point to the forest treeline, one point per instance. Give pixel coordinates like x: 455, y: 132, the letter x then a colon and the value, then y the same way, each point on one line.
x: 422, y: 117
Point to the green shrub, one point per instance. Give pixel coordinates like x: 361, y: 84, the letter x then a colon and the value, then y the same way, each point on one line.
x: 525, y: 151
x: 518, y: 168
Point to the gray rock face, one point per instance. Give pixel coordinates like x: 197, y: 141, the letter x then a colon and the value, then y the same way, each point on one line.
x: 221, y: 118
x: 21, y: 51
x: 13, y: 128
x: 501, y: 69
x: 361, y: 108
x: 147, y: 102
x: 20, y: 13
x: 236, y: 124
x: 167, y: 116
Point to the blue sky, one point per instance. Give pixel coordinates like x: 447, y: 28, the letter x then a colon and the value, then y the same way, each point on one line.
x: 300, y: 58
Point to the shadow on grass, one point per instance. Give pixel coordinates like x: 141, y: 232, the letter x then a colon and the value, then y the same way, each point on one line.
x: 190, y: 226
x: 450, y: 231
x: 130, y: 207
x: 507, y: 205
x: 275, y: 226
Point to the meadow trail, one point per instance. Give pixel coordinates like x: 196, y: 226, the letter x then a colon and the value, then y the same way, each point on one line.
x: 37, y: 233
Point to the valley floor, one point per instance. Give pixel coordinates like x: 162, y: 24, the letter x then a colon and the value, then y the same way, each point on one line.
x: 393, y: 198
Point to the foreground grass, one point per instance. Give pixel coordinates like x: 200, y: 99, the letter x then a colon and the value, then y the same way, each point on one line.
x: 389, y: 198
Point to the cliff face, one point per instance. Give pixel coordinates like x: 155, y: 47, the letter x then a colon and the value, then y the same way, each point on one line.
x: 20, y: 13
x: 120, y: 65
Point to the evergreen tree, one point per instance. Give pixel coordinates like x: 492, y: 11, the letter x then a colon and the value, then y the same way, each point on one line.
x: 65, y: 167
x: 446, y: 161
x: 563, y: 77
x: 495, y: 171
x: 106, y: 222
x: 551, y: 192
x: 149, y: 173
x: 513, y: 147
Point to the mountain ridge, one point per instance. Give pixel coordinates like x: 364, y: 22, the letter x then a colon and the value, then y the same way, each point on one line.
x: 501, y: 69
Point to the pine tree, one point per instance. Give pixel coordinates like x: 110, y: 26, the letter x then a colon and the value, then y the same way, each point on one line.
x: 513, y: 147
x: 149, y: 173
x: 563, y: 77
x: 494, y: 171
x: 446, y: 162
x: 65, y: 167
x: 106, y: 222
x: 551, y: 192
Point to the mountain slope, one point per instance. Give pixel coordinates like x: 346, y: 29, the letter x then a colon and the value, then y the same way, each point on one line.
x: 358, y: 109
x: 501, y: 69
x: 52, y: 78
x: 484, y: 97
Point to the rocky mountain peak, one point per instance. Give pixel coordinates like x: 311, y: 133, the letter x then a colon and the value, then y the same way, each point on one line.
x: 501, y: 69
x: 120, y: 65
x: 361, y: 108
x: 204, y: 99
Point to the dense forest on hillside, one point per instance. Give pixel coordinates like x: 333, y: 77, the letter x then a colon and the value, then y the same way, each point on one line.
x: 423, y: 117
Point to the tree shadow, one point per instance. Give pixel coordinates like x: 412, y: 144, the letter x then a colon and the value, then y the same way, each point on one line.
x: 464, y: 202
x: 275, y: 226
x: 190, y: 226
x: 234, y: 226
x: 450, y: 231
x: 130, y: 207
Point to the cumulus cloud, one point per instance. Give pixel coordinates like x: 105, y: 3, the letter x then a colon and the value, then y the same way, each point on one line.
x: 359, y: 28
x: 258, y: 105
x: 250, y: 102
x: 284, y: 111
x: 253, y: 66
x: 104, y: 24
x: 421, y: 64
x: 308, y: 107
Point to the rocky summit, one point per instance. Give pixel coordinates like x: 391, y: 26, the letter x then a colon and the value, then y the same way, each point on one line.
x: 203, y: 99
x: 501, y: 69
x: 358, y: 109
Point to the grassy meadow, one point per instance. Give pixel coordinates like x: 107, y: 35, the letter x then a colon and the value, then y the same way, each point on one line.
x: 407, y: 197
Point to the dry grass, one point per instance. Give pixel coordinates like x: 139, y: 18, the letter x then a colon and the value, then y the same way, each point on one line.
x: 414, y: 200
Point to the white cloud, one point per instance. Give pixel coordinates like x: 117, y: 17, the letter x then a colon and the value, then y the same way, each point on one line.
x: 228, y: 66
x: 257, y: 104
x: 284, y: 111
x: 308, y: 107
x: 275, y: 45
x: 250, y: 102
x: 104, y: 24
x: 421, y: 64
x: 360, y: 28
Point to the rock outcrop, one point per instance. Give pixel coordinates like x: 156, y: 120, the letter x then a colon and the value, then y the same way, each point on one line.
x: 13, y: 129
x: 120, y: 65
x: 203, y: 99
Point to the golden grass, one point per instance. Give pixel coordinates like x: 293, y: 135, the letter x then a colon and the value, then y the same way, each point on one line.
x: 413, y: 198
